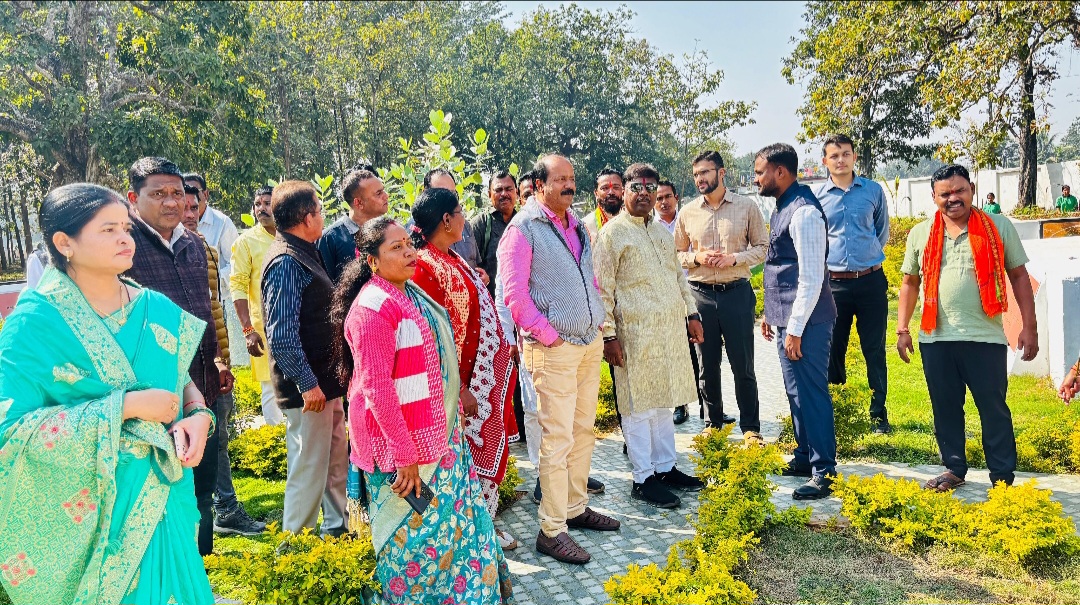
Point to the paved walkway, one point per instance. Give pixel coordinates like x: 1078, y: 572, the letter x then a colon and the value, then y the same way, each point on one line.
x: 648, y: 533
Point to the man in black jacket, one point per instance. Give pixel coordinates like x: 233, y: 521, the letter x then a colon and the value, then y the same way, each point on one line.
x: 367, y: 199
x: 172, y: 260
x: 296, y: 293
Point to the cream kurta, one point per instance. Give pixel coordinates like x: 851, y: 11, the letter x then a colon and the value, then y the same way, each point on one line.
x: 647, y: 299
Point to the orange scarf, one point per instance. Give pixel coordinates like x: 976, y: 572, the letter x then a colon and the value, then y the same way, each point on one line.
x: 989, y: 255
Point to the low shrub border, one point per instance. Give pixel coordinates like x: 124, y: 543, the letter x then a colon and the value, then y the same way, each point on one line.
x: 260, y: 452
x: 1020, y: 523
x: 735, y: 508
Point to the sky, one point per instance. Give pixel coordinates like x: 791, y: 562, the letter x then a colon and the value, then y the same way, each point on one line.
x: 748, y: 40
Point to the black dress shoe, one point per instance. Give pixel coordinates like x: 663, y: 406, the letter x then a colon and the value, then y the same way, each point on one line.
x: 680, y: 480
x: 796, y: 470
x: 536, y: 495
x: 728, y: 419
x: 814, y: 489
x: 595, y: 486
x: 881, y: 426
x: 652, y: 491
x: 681, y: 414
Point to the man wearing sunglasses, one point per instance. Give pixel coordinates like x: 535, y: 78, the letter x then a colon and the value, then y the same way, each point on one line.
x: 719, y: 237
x: 649, y: 311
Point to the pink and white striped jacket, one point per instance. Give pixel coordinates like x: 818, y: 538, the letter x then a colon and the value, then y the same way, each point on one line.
x: 396, y: 411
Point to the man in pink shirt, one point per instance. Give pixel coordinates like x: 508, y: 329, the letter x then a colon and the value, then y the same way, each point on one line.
x: 546, y: 259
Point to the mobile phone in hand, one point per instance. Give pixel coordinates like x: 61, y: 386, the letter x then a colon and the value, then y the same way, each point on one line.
x: 180, y: 440
x: 418, y: 504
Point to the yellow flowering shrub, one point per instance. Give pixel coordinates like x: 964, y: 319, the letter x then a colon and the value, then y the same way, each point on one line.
x: 1020, y: 522
x: 260, y: 452
x: 304, y: 569
x: 734, y: 508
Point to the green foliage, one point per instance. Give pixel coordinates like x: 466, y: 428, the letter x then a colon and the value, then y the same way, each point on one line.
x: 508, y: 487
x: 404, y: 180
x: 606, y: 417
x: 260, y: 452
x: 735, y: 508
x: 309, y: 569
x: 757, y: 282
x: 1021, y: 522
x: 1050, y: 445
x: 851, y: 414
x: 899, y: 227
x: 247, y: 394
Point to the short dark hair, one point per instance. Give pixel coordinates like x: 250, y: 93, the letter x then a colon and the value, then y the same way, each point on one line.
x: 144, y: 168
x: 1064, y: 187
x: 640, y: 170
x: 609, y: 170
x: 709, y: 155
x: 781, y: 154
x: 351, y: 183
x: 667, y: 183
x: 527, y: 176
x: 191, y: 189
x: 947, y: 172
x: 67, y: 209
x: 431, y: 174
x: 292, y: 202
x: 836, y: 139
x: 194, y: 176
x: 500, y: 175
x: 263, y: 190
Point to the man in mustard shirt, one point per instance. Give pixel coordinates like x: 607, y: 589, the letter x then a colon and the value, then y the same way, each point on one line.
x: 247, y: 256
x: 961, y: 338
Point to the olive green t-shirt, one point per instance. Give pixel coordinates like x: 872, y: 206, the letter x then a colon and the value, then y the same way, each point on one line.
x: 960, y: 312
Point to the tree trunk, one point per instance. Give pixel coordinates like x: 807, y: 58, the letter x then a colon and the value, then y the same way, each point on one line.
x: 1029, y: 145
x: 24, y: 211
x: 18, y: 234
x: 4, y: 263
x: 865, y: 150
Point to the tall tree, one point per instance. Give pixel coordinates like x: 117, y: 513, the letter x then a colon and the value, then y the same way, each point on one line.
x: 992, y: 59
x: 874, y: 100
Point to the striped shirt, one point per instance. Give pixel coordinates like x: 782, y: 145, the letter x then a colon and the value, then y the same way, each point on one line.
x: 283, y: 284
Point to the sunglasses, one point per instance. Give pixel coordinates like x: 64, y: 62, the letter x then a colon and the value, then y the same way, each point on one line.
x: 639, y: 187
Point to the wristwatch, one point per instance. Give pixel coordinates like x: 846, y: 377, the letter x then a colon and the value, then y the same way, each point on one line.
x: 693, y: 316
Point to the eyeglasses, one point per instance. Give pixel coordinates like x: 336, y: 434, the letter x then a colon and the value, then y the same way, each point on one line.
x: 705, y: 171
x: 639, y: 187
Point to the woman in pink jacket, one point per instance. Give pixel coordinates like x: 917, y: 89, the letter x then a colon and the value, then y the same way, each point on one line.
x: 398, y: 356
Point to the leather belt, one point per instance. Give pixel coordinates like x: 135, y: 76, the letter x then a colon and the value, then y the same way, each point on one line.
x: 853, y: 274
x: 731, y: 285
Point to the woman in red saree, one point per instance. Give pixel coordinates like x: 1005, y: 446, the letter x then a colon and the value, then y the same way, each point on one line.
x: 484, y: 359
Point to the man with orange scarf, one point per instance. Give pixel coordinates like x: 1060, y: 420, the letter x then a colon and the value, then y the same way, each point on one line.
x: 959, y: 260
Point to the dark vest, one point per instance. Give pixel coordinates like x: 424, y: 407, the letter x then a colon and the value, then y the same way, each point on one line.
x: 316, y: 329
x: 182, y: 275
x: 781, y: 277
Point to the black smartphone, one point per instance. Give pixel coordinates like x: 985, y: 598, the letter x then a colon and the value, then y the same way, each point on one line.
x: 418, y: 504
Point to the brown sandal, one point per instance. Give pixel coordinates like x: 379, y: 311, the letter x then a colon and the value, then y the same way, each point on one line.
x: 944, y: 482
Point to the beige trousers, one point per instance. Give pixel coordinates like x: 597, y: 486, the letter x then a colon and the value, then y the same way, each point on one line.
x: 567, y: 381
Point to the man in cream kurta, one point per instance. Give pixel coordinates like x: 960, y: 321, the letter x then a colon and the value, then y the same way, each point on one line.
x: 649, y: 311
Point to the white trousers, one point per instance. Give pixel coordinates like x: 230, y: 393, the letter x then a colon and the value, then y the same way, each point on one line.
x: 270, y: 410
x: 532, y: 422
x: 317, y: 452
x: 650, y: 442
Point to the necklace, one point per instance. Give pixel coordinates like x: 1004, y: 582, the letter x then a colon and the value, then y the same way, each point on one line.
x: 123, y: 308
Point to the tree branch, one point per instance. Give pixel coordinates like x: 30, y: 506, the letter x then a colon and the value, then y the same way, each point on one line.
x: 24, y: 128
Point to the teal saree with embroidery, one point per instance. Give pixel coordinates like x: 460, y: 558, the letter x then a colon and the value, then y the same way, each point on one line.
x: 94, y: 509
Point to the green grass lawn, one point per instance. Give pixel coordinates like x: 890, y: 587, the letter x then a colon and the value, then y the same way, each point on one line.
x: 839, y: 566
x: 1033, y: 402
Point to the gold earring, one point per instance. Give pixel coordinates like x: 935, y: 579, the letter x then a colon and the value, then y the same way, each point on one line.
x: 68, y: 254
x: 448, y: 227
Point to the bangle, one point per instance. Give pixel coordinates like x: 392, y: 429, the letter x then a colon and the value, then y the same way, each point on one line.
x: 194, y: 402
x: 249, y: 330
x: 903, y: 331
x: 204, y: 410
x: 610, y: 338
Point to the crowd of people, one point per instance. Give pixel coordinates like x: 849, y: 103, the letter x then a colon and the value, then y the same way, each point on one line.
x: 405, y: 359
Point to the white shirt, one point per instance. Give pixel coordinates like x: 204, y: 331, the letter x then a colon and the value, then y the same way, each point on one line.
x: 809, y: 234
x: 220, y: 232
x: 34, y: 271
x: 669, y: 226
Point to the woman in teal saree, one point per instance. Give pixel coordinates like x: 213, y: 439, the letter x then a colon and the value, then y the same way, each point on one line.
x: 97, y: 500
